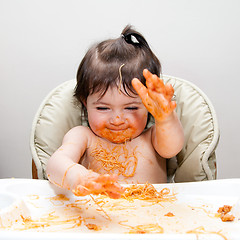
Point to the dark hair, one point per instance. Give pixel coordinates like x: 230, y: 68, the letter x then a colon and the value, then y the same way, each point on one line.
x: 99, y: 68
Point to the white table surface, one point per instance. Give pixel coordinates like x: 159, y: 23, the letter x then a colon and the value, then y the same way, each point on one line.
x: 214, y: 193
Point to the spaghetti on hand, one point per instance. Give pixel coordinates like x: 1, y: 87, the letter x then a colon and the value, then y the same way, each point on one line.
x: 99, y: 184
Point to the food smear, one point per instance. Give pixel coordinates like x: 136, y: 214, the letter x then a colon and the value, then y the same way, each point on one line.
x: 142, y: 209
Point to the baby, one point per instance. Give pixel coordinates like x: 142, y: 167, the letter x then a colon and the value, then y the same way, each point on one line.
x: 119, y: 88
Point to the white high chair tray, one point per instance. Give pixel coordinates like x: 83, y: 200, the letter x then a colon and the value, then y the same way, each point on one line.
x: 44, y: 214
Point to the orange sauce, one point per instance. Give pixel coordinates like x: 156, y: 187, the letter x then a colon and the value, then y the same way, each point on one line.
x: 118, y: 136
x: 116, y: 159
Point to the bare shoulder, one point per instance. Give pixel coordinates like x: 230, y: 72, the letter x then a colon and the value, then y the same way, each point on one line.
x: 79, y: 133
x: 79, y: 129
x: 145, y: 139
x: 147, y: 134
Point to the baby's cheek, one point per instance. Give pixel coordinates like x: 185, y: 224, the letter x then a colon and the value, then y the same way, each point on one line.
x: 140, y: 121
x: 98, y: 129
x: 96, y: 125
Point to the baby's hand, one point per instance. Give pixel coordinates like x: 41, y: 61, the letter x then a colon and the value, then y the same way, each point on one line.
x: 157, y: 97
x: 98, y: 184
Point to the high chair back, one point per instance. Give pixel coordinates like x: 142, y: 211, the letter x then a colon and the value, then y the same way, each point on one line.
x: 59, y: 112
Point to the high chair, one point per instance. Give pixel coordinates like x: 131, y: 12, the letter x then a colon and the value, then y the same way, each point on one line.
x: 59, y: 112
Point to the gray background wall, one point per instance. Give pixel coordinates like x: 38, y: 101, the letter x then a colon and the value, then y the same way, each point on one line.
x: 42, y: 43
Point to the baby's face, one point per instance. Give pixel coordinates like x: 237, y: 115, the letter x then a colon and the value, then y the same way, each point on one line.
x: 116, y: 116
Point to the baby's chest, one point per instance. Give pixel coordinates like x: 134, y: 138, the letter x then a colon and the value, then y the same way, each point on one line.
x: 122, y: 159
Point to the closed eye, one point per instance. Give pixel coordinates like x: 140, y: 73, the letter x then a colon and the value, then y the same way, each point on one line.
x: 131, y: 108
x: 102, y: 108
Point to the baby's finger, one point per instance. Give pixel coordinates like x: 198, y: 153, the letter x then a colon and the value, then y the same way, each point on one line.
x: 142, y: 91
x: 114, y: 187
x: 147, y: 74
x: 113, y: 195
x: 94, y: 186
x: 149, y: 79
x: 114, y: 190
x: 81, y: 191
x: 139, y: 88
x: 153, y: 82
x: 173, y: 105
x: 169, y: 91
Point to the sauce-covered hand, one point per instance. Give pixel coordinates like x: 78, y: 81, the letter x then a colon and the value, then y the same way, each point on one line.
x: 157, y: 97
x: 94, y: 183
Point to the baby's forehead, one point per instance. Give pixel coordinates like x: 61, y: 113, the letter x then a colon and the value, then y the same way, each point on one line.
x: 115, y: 94
x: 117, y: 90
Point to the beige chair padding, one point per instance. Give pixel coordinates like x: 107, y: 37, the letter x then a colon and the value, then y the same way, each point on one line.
x: 59, y: 113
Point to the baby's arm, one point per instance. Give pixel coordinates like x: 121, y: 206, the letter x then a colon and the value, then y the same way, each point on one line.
x: 167, y: 134
x: 63, y: 169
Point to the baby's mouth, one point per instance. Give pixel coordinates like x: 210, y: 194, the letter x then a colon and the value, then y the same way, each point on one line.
x: 117, y: 130
x: 117, y: 135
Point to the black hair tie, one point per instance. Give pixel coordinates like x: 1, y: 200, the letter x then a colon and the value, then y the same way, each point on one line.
x: 135, y: 39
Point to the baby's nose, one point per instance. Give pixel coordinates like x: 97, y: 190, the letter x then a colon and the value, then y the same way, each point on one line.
x: 117, y: 120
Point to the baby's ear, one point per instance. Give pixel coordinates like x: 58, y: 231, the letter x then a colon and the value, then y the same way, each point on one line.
x: 84, y: 103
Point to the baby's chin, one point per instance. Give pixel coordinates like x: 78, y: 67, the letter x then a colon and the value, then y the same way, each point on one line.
x: 117, y: 136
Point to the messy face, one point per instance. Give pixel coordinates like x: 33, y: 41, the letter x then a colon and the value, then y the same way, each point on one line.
x: 116, y: 116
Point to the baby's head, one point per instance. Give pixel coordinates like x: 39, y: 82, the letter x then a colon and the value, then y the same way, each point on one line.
x: 115, y: 62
